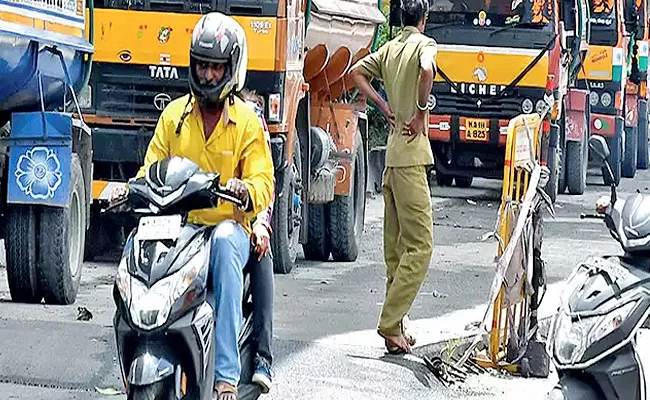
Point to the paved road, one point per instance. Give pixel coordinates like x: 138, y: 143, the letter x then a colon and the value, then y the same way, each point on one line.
x: 325, y: 313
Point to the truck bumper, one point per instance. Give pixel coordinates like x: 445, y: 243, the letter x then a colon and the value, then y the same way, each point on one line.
x: 120, y: 144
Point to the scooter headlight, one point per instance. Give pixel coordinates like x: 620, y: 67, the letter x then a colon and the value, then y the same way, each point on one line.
x: 150, y: 307
x: 573, y: 337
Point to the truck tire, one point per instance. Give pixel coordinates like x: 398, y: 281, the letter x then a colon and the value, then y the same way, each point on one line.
x: 97, y: 236
x: 562, y: 171
x: 444, y: 179
x: 286, y: 233
x: 576, y: 163
x: 554, y: 163
x: 464, y: 181
x: 21, y: 248
x: 61, y: 237
x: 317, y: 246
x: 628, y: 165
x: 642, y: 158
x: 345, y: 214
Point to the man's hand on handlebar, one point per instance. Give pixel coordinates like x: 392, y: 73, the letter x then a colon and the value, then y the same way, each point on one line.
x: 118, y: 194
x: 238, y: 189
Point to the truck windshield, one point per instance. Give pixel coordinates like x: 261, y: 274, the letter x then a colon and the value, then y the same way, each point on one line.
x: 529, y: 14
x: 603, y: 22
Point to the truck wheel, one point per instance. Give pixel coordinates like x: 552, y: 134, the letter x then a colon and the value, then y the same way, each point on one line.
x: 628, y: 166
x: 464, y: 181
x: 21, y: 246
x: 345, y: 213
x: 642, y: 142
x: 444, y: 179
x: 286, y: 215
x: 61, y: 236
x: 317, y: 246
x: 562, y: 167
x: 576, y: 162
x: 554, y: 162
x: 97, y: 236
x: 615, y: 146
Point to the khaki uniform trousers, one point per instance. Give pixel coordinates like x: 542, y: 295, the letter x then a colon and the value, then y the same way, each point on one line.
x: 408, y: 241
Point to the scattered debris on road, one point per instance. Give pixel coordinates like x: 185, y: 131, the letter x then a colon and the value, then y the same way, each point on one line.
x: 108, y: 391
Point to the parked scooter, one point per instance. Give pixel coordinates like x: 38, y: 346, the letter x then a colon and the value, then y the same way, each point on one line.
x: 164, y: 322
x: 593, y: 337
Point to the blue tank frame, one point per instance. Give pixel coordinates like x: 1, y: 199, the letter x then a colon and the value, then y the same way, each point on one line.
x: 42, y: 69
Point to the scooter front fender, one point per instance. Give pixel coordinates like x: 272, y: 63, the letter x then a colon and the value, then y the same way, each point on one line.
x: 148, y: 368
x: 570, y: 388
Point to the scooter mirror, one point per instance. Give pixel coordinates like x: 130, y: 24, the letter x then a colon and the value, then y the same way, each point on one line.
x: 599, y: 146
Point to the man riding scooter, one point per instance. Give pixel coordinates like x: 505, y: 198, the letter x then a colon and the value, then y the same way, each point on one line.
x: 219, y: 132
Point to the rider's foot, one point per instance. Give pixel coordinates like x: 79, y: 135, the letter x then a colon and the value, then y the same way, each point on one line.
x: 262, y: 376
x: 225, y: 391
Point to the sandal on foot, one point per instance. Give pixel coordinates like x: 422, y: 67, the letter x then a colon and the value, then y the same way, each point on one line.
x: 225, y: 391
x: 394, y: 350
x: 395, y: 344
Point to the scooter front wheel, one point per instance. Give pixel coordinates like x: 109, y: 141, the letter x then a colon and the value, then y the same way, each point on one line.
x: 155, y: 391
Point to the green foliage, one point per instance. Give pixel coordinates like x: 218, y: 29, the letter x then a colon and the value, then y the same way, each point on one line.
x: 377, y: 124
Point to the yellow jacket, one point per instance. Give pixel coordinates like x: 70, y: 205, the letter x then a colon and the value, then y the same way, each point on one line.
x: 237, y: 148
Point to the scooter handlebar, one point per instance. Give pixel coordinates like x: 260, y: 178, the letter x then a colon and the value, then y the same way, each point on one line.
x: 221, y: 193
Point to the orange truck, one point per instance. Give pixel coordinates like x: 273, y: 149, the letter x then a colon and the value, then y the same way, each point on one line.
x: 299, y: 56
x: 498, y: 59
x: 616, y: 72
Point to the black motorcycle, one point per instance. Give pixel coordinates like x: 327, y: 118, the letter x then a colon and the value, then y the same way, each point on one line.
x: 164, y: 322
x: 593, y: 337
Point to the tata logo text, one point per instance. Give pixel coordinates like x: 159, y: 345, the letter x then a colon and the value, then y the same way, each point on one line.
x: 163, y: 72
x: 478, y: 89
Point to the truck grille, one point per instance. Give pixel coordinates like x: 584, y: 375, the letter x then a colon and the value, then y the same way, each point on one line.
x: 128, y: 91
x: 182, y: 6
x: 455, y: 104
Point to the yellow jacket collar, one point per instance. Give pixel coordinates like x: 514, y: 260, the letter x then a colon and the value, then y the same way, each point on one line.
x: 229, y: 109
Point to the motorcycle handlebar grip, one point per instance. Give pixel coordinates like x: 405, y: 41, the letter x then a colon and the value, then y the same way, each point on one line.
x: 223, y: 194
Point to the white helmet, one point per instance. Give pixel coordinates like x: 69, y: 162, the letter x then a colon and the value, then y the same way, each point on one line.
x: 218, y: 38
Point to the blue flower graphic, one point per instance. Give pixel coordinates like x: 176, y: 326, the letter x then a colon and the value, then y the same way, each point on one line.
x: 38, y: 173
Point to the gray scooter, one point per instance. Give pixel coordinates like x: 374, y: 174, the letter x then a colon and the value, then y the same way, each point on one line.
x: 164, y: 322
x: 593, y: 340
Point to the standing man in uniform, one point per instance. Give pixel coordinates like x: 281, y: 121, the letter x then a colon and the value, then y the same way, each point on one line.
x: 406, y: 65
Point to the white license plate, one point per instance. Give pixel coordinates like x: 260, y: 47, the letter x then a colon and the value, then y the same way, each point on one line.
x: 614, y: 270
x: 159, y: 227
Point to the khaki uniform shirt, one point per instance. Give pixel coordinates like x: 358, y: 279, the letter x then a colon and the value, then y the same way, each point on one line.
x: 398, y: 64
